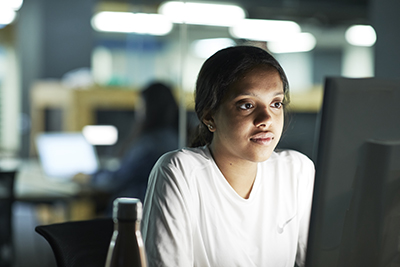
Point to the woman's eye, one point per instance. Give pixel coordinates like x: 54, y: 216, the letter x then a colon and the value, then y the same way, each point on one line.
x: 246, y: 106
x: 277, y: 105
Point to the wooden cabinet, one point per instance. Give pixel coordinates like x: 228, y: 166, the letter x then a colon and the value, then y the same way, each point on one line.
x: 78, y: 105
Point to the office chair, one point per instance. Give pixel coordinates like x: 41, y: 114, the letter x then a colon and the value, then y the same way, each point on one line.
x: 6, y: 202
x: 79, y: 243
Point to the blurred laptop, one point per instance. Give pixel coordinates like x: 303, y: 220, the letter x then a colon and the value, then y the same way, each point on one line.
x: 63, y: 155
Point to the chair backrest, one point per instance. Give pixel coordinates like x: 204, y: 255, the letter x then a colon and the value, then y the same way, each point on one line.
x: 79, y: 243
x: 6, y: 201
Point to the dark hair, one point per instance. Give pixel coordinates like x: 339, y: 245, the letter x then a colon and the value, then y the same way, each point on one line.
x: 161, y: 111
x: 219, y: 72
x: 161, y: 108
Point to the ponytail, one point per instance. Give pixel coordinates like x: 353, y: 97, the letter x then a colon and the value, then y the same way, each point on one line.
x: 202, y: 136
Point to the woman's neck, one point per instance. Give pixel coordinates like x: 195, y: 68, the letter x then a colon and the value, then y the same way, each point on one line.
x: 240, y: 174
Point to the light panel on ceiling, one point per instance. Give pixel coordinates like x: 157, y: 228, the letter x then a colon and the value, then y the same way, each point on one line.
x: 300, y: 42
x: 205, y: 48
x: 202, y: 13
x: 264, y: 30
x: 127, y: 22
x: 8, y: 10
x: 361, y: 35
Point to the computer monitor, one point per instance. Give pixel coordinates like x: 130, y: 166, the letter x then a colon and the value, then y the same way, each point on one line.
x: 65, y: 154
x: 355, y: 219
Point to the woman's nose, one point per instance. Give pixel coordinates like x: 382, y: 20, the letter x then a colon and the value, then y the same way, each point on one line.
x: 263, y: 118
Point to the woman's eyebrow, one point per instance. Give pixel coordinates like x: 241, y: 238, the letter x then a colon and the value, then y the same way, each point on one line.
x: 279, y: 93
x: 255, y: 95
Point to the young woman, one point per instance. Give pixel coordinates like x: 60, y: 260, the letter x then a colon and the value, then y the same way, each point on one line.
x: 230, y: 200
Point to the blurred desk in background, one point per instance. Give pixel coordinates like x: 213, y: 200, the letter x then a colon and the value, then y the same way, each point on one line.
x: 33, y: 185
x: 56, y: 200
x: 78, y: 106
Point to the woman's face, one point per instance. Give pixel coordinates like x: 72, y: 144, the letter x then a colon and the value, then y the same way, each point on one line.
x: 248, y: 124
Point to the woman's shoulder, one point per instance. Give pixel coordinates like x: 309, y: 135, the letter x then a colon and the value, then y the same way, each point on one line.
x: 181, y: 166
x: 185, y: 157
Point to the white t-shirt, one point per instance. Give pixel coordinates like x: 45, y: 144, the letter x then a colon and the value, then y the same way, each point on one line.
x: 193, y: 217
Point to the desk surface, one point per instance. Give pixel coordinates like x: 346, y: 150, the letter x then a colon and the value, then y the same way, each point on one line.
x: 32, y: 184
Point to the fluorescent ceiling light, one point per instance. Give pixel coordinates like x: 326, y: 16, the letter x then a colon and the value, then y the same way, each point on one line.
x: 14, y: 4
x: 301, y: 42
x: 7, y: 15
x: 127, y: 22
x: 204, y: 48
x: 100, y: 134
x: 202, y: 13
x: 11, y: 4
x: 361, y: 35
x: 263, y: 30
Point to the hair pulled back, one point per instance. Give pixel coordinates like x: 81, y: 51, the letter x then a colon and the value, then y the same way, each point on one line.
x: 218, y: 73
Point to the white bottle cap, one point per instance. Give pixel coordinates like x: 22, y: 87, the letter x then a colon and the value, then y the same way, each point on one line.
x: 127, y: 209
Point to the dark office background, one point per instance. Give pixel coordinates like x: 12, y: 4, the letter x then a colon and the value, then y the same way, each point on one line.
x: 44, y: 53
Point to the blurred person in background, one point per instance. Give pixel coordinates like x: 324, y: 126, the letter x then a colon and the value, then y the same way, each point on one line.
x: 155, y: 132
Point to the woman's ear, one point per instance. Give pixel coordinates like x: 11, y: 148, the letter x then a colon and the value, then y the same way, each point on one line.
x: 209, y: 122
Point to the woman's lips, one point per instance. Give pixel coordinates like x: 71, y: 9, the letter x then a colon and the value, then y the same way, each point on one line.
x: 264, y: 138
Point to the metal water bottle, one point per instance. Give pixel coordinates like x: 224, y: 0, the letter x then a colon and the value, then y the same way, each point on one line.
x: 126, y: 246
